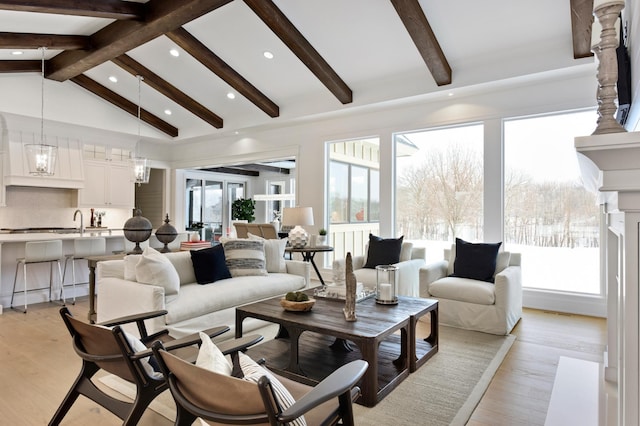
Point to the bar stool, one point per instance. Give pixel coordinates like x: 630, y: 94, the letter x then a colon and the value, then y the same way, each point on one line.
x: 39, y: 252
x: 83, y: 248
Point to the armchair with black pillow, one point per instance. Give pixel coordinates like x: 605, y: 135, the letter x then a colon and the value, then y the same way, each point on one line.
x: 478, y: 287
x: 388, y: 251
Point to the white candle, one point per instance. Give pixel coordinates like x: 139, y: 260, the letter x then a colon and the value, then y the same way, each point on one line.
x: 385, y: 291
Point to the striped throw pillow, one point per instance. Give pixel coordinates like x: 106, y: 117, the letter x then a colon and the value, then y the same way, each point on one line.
x: 244, y: 257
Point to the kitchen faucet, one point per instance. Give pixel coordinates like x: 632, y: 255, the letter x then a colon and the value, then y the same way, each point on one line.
x: 81, y: 220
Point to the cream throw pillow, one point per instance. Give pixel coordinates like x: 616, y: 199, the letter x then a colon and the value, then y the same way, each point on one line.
x: 273, y: 253
x: 211, y: 358
x: 154, y: 268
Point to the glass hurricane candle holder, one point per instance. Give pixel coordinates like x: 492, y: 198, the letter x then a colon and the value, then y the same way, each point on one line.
x: 386, y: 288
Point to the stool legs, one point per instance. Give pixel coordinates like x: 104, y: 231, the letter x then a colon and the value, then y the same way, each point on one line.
x: 73, y: 275
x: 25, y: 290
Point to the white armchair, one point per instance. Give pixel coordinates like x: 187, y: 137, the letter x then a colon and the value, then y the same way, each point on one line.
x: 476, y: 305
x: 411, y: 260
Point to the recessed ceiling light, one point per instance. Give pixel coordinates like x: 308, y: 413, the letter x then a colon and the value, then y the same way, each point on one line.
x: 231, y: 95
x: 113, y: 79
x: 174, y: 52
x: 168, y: 111
x: 268, y: 54
x: 17, y: 52
x: 450, y: 94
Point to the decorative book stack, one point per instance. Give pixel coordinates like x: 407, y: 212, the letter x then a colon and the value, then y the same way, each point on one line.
x: 194, y: 245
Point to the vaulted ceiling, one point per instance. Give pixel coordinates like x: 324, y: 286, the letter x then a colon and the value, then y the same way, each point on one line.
x: 328, y: 55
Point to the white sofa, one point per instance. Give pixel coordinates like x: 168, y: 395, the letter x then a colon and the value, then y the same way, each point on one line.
x: 194, y: 307
x: 472, y: 304
x: 411, y: 260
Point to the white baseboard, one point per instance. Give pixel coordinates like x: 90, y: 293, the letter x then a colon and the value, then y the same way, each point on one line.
x: 580, y: 304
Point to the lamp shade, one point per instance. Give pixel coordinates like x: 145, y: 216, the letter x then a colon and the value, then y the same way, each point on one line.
x: 292, y: 216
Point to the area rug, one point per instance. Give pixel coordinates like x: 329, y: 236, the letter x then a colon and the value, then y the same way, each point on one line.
x: 444, y: 391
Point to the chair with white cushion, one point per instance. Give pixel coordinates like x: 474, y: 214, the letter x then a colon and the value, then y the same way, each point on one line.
x: 83, y: 248
x: 39, y: 252
x: 491, y: 307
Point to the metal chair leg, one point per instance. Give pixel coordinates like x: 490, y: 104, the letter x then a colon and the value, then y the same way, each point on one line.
x: 13, y: 293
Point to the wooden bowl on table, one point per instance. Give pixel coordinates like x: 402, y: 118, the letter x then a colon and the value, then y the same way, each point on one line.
x: 292, y: 306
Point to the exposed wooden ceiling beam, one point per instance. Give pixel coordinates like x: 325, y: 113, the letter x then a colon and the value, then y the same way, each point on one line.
x: 417, y: 25
x: 121, y: 36
x: 232, y: 171
x: 581, y: 22
x: 50, y: 41
x: 298, y: 44
x: 20, y: 66
x: 266, y: 168
x: 170, y: 91
x: 125, y: 104
x: 112, y: 9
x: 219, y: 67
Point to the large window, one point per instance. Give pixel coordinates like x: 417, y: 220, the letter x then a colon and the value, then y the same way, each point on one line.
x: 549, y: 217
x: 353, y: 189
x: 439, y: 186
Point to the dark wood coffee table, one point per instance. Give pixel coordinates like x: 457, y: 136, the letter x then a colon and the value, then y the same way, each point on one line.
x: 384, y: 336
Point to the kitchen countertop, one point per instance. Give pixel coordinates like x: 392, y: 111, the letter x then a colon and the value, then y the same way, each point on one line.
x: 46, y: 236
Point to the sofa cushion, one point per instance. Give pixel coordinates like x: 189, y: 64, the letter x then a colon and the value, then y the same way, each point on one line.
x: 155, y: 269
x: 181, y: 260
x: 130, y: 262
x: 463, y: 290
x: 244, y: 257
x: 406, y: 251
x: 196, y: 300
x: 273, y: 252
x: 475, y: 260
x: 383, y: 251
x: 209, y: 264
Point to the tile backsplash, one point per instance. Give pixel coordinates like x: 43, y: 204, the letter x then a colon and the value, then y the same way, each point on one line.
x: 29, y: 207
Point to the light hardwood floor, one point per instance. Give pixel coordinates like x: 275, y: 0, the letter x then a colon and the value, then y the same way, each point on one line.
x: 38, y: 366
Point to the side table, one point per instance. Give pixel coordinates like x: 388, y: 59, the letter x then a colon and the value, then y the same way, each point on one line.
x: 308, y: 253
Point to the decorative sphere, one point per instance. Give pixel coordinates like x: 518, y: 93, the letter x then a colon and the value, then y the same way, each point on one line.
x: 166, y: 234
x: 137, y: 229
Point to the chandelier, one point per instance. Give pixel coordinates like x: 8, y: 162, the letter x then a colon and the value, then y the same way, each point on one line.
x: 141, y: 168
x: 41, y: 158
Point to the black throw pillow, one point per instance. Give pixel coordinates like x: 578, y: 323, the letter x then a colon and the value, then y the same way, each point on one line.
x: 209, y: 264
x: 476, y: 261
x: 383, y: 251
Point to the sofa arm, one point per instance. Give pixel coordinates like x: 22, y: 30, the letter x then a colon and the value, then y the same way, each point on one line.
x: 118, y: 298
x: 509, y: 288
x: 409, y: 277
x: 301, y: 268
x: 431, y: 273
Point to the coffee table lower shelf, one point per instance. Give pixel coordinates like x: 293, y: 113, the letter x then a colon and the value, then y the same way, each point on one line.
x: 317, y: 359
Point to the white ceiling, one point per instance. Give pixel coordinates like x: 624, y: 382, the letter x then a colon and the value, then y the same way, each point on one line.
x: 363, y: 40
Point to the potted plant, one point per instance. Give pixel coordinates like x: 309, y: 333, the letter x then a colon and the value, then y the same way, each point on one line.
x: 243, y: 209
x: 322, y: 236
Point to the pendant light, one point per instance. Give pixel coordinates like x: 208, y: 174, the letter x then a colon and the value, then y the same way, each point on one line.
x: 141, y: 169
x: 41, y: 158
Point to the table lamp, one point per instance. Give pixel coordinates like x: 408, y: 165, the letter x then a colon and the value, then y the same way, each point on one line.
x: 297, y: 217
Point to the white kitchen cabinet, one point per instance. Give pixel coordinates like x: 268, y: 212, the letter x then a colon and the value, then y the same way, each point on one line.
x: 107, y: 184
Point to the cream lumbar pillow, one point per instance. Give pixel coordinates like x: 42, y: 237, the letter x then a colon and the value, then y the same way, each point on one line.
x: 211, y: 358
x: 154, y: 268
x: 273, y: 253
